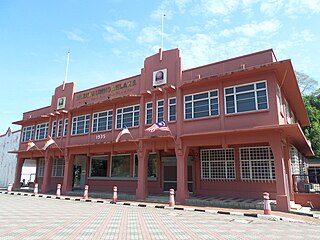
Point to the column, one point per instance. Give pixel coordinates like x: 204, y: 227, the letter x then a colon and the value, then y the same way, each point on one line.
x: 68, y: 173
x: 142, y: 185
x: 47, y: 173
x: 197, y: 171
x: 282, y: 198
x: 16, y: 184
x: 182, y: 174
x: 287, y: 161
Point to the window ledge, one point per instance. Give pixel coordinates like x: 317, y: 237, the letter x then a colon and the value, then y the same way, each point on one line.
x: 244, y: 113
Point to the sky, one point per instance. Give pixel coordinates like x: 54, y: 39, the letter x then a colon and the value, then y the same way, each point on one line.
x: 109, y: 40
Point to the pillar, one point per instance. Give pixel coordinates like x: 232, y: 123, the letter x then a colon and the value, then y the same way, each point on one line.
x: 283, y: 202
x: 16, y: 184
x: 287, y: 160
x: 197, y: 172
x: 68, y: 173
x: 46, y: 184
x: 182, y: 174
x: 142, y: 185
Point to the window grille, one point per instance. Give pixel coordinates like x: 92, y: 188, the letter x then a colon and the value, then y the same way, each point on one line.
x: 80, y: 124
x: 27, y: 133
x: 160, y: 110
x: 41, y: 167
x: 217, y: 164
x: 102, y: 121
x: 58, y: 167
x: 53, y: 129
x: 65, y: 130
x: 172, y: 109
x: 201, y: 105
x: 129, y: 116
x: 257, y: 163
x: 246, y: 98
x: 59, y: 132
x: 298, y: 164
x: 42, y: 131
x: 149, y: 113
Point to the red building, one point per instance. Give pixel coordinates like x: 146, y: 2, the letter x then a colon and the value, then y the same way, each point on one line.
x: 235, y: 131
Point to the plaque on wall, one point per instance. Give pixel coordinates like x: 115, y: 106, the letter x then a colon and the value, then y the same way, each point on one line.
x: 159, y: 77
x: 61, y: 103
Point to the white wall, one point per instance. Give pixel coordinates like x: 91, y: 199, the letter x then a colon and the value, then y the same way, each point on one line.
x: 8, y: 161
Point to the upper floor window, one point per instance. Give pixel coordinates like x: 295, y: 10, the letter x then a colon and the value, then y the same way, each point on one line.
x: 54, y: 129
x: 172, y: 114
x: 59, y: 132
x: 80, y: 124
x: 27, y: 133
x: 201, y: 105
x: 246, y: 98
x: 42, y: 131
x: 149, y: 113
x: 102, y: 121
x: 129, y: 116
x: 65, y: 127
x: 160, y: 110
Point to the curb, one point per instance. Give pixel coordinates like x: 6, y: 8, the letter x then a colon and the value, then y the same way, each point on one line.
x: 254, y: 215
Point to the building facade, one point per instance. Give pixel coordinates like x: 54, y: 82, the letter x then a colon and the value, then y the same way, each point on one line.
x: 8, y: 142
x: 232, y: 125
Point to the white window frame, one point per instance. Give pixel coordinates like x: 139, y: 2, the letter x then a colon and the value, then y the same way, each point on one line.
x: 54, y: 129
x: 248, y: 163
x: 149, y: 112
x: 75, y: 123
x: 135, y: 113
x: 209, y: 98
x: 57, y: 166
x: 287, y: 112
x: 65, y: 127
x: 172, y: 117
x: 42, y: 131
x: 96, y: 117
x: 27, y: 133
x: 160, y: 109
x: 255, y: 91
x: 59, y: 130
x: 279, y: 95
x: 212, y: 160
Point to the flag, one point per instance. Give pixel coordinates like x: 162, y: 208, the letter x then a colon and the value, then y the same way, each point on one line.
x: 48, y: 142
x: 162, y: 126
x: 30, y: 145
x: 124, y: 130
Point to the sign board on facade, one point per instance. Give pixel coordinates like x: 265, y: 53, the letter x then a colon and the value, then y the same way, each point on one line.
x: 159, y: 77
x: 61, y: 103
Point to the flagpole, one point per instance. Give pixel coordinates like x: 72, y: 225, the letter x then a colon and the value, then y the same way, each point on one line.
x: 67, y: 68
x: 39, y: 150
x: 162, y: 27
x: 133, y: 139
x: 58, y: 147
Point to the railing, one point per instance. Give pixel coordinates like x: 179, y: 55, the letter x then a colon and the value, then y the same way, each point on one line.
x: 305, y: 183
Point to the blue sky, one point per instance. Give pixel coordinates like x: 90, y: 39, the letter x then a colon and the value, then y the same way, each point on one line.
x: 109, y: 40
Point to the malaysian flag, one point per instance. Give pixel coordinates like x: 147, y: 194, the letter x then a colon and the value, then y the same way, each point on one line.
x: 124, y: 130
x: 162, y: 126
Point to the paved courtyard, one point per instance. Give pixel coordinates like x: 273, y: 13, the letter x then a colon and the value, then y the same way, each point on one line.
x: 25, y: 217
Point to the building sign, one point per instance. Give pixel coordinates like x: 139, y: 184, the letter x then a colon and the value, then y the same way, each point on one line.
x: 61, y: 103
x: 159, y: 77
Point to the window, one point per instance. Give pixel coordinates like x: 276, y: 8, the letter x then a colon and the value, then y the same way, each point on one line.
x: 172, y: 109
x: 99, y: 166
x: 53, y: 129
x: 40, y: 167
x: 102, y: 121
x: 160, y: 110
x: 58, y: 167
x: 27, y: 133
x: 201, y: 105
x: 59, y: 132
x: 129, y: 116
x: 287, y: 112
x: 246, y: 98
x: 298, y: 164
x: 42, y: 131
x: 80, y: 124
x: 65, y: 130
x: 120, y: 166
x: 257, y: 163
x: 217, y: 164
x: 149, y: 113
x: 152, y: 166
x: 279, y: 97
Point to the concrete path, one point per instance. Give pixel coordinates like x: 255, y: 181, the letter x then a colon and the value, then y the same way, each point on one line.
x: 25, y: 217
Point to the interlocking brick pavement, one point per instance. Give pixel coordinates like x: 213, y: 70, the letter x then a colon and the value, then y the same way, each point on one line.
x: 25, y: 217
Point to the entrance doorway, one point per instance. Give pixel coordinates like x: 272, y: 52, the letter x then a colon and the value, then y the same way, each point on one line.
x: 79, y: 172
x: 169, y: 166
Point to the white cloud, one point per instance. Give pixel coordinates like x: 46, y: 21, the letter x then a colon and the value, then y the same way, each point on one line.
x: 112, y: 35
x: 149, y: 34
x: 254, y: 29
x: 75, y: 35
x: 218, y: 7
x: 122, y: 23
x: 271, y: 7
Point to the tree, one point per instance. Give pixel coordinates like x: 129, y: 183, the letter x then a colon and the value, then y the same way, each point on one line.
x: 306, y: 83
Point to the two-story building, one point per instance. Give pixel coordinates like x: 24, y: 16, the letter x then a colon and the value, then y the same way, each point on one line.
x: 235, y: 131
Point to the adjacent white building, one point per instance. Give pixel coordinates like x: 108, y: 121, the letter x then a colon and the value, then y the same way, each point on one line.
x: 8, y: 161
